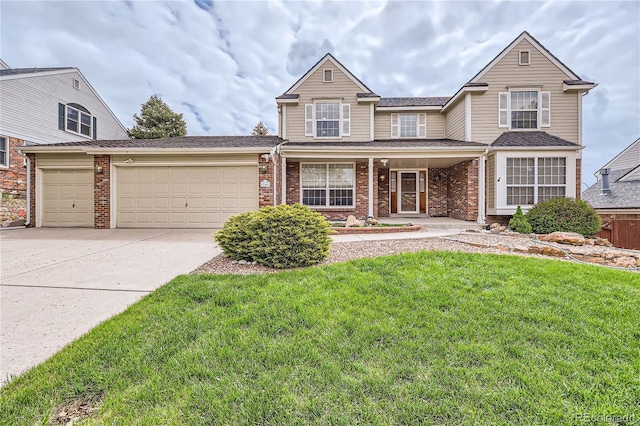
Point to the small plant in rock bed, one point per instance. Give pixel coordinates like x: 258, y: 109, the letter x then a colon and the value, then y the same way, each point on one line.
x: 519, y: 222
x: 564, y: 214
x: 279, y: 237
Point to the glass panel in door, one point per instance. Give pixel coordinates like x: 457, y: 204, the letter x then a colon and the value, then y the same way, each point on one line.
x: 408, y: 192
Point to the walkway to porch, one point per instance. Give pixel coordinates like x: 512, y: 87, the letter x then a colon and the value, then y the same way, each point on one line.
x: 433, y: 222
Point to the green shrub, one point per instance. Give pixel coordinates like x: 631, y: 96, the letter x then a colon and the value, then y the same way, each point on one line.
x: 519, y: 223
x: 564, y: 214
x: 280, y: 237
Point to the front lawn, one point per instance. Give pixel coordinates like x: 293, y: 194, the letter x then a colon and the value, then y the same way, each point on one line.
x: 431, y: 338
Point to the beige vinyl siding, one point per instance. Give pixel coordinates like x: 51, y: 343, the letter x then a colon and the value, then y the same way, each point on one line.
x: 64, y: 160
x: 342, y: 88
x: 541, y: 72
x: 491, y: 179
x: 630, y: 157
x: 29, y: 108
x: 435, y: 124
x: 454, y: 121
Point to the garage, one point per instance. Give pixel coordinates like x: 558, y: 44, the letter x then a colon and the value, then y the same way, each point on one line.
x: 67, y: 198
x: 183, y: 196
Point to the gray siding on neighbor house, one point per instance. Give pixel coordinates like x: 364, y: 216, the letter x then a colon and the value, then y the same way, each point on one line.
x: 542, y: 75
x: 342, y: 88
x: 29, y: 108
x: 628, y: 158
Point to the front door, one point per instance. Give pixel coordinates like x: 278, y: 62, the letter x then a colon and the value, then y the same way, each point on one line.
x: 408, y: 200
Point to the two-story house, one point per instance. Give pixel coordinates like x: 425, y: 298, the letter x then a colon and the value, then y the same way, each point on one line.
x: 43, y: 106
x: 510, y: 136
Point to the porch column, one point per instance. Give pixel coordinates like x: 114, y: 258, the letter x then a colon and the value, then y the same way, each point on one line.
x: 481, y: 183
x: 370, y: 186
x: 283, y: 179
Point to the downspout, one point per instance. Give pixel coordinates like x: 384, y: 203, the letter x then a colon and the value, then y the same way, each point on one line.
x: 28, y: 221
x: 482, y: 170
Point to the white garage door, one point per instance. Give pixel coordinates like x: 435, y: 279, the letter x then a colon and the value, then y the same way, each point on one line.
x: 184, y: 197
x: 67, y: 198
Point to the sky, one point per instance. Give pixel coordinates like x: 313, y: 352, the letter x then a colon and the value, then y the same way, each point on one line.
x: 222, y: 64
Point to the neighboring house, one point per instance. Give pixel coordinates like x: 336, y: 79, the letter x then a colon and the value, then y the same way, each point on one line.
x: 616, y: 196
x: 43, y: 106
x: 512, y: 135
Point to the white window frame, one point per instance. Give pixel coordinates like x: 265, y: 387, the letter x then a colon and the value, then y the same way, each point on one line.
x: 76, y: 83
x: 311, y: 121
x: 520, y: 52
x: 7, y: 153
x: 80, y: 113
x: 396, y: 126
x: 536, y: 178
x: 324, y: 75
x: 502, y: 108
x: 327, y: 205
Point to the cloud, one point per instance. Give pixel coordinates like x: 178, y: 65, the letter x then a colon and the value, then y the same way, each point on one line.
x: 222, y: 63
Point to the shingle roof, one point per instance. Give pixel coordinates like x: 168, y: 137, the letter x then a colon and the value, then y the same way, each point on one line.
x: 576, y: 82
x: 414, y: 101
x: 17, y: 71
x: 532, y: 139
x: 623, y: 195
x: 390, y: 143
x: 288, y: 96
x: 367, y: 95
x: 182, y: 142
x: 479, y: 84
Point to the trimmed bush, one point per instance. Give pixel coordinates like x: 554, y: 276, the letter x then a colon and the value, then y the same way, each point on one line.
x: 519, y: 223
x: 564, y: 214
x: 280, y: 237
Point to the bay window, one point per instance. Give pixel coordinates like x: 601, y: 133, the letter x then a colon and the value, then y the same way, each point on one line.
x: 328, y: 185
x: 533, y: 180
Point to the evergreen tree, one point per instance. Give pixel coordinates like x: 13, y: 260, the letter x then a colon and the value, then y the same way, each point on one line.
x: 260, y: 130
x: 157, y: 120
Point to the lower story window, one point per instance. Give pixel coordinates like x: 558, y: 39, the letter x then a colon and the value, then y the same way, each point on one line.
x: 533, y: 180
x: 4, y: 152
x: 328, y: 185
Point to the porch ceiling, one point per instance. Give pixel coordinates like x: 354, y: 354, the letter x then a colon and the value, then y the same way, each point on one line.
x: 393, y: 163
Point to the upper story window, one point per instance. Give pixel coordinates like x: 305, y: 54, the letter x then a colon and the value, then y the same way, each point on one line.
x: 327, y: 76
x: 76, y: 119
x: 4, y: 152
x: 524, y: 109
x: 327, y: 120
x: 408, y: 126
x: 524, y: 57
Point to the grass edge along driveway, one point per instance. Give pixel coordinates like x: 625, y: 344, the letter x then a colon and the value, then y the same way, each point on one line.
x: 432, y: 337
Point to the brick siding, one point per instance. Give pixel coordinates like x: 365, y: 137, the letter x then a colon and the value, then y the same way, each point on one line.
x: 383, y: 193
x: 102, y: 192
x: 265, y: 195
x: 578, y: 178
x: 14, y: 178
x: 437, y: 198
x: 463, y: 190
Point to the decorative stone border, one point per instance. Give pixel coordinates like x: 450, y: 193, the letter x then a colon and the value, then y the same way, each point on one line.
x: 374, y: 229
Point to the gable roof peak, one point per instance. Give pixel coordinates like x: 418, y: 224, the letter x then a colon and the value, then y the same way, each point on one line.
x: 525, y: 35
x: 328, y: 57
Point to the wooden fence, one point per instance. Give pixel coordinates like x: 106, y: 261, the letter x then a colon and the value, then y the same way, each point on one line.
x: 623, y: 233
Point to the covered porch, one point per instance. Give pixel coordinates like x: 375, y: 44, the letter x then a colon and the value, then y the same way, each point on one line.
x: 415, y: 182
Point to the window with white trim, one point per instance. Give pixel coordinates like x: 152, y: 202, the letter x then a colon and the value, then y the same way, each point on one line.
x: 78, y: 121
x: 327, y: 76
x: 533, y: 180
x: 4, y: 152
x: 524, y: 57
x: 327, y: 120
x: 328, y: 184
x: 524, y: 109
x: 408, y: 126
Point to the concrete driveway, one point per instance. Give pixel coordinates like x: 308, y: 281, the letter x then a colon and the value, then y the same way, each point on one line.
x: 57, y: 284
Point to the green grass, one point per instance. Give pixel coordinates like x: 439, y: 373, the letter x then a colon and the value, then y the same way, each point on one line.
x: 431, y: 338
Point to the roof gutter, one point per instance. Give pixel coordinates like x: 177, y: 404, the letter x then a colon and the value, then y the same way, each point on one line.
x: 141, y: 150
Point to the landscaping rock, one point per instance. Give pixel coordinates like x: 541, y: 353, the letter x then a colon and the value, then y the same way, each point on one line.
x: 496, y: 228
x: 625, y: 262
x: 602, y: 242
x: 352, y: 221
x: 372, y: 221
x: 551, y: 251
x: 564, y: 238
